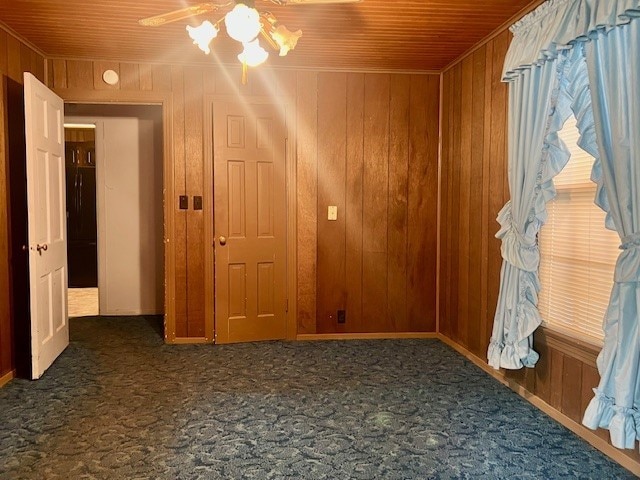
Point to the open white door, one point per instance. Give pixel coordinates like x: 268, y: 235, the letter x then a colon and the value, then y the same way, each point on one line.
x: 44, y: 114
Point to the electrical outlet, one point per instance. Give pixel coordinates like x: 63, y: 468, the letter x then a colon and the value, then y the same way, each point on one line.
x: 332, y: 212
x: 342, y: 316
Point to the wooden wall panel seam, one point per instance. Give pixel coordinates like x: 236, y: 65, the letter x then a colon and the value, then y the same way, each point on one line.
x: 476, y: 184
x: 306, y: 191
x: 439, y: 205
x: 485, y: 193
x: 354, y: 204
x: 332, y: 127
x: 364, y: 160
x: 388, y: 153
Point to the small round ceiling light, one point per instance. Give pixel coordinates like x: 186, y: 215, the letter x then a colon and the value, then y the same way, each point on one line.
x: 110, y: 77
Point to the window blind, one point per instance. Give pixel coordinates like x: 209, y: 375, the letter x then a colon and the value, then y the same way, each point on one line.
x: 577, y: 253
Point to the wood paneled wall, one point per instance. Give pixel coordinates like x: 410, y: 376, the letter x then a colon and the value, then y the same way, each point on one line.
x: 367, y: 144
x: 474, y: 188
x: 15, y: 59
x: 188, y: 87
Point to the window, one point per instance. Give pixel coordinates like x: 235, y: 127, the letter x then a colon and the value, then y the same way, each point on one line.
x: 577, y: 253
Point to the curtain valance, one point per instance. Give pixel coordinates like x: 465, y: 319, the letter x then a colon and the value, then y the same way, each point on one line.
x: 558, y: 24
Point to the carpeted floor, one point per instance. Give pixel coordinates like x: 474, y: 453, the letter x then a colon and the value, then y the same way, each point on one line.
x: 119, y: 404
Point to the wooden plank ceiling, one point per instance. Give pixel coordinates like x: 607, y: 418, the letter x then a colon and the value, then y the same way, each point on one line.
x: 394, y: 35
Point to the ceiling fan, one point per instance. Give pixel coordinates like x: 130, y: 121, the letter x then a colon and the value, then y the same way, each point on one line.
x: 243, y: 23
x: 209, y: 7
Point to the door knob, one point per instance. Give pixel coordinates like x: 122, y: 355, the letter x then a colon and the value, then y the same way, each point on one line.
x: 222, y: 240
x: 41, y: 248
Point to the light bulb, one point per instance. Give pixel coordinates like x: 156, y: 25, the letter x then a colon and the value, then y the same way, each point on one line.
x: 243, y: 23
x: 253, y: 54
x: 285, y: 39
x: 203, y: 35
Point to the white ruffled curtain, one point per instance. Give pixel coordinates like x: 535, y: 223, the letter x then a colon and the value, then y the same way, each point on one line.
x: 581, y: 56
x: 533, y: 97
x: 613, y: 61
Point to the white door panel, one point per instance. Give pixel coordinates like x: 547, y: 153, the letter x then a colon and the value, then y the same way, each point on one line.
x: 44, y: 114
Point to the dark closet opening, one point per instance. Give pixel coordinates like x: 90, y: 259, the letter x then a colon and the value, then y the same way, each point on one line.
x: 82, y: 227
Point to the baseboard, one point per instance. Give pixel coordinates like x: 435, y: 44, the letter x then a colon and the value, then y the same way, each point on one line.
x: 365, y: 336
x: 7, y: 377
x: 580, y: 430
x: 325, y: 336
x: 187, y: 341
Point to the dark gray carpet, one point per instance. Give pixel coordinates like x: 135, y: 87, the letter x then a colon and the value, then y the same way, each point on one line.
x: 119, y: 404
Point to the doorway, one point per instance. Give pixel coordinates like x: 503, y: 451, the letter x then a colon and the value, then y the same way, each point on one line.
x: 115, y: 209
x: 250, y: 216
x: 82, y: 226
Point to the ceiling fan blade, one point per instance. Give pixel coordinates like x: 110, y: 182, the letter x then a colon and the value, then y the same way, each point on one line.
x: 312, y: 2
x: 179, y: 14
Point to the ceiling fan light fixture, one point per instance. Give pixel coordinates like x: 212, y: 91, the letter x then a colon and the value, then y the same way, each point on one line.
x: 278, y: 35
x: 243, y: 23
x: 286, y: 39
x: 203, y: 35
x: 253, y: 54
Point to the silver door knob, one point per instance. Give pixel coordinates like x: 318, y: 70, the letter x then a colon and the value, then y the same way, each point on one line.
x: 222, y: 240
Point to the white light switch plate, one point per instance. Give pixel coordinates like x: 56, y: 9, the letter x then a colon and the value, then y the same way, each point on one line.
x: 332, y: 213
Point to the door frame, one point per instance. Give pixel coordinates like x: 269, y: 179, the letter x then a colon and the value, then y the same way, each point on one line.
x: 288, y: 107
x: 165, y: 100
x: 98, y: 135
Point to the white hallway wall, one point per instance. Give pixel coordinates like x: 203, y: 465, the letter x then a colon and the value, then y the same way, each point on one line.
x: 130, y: 216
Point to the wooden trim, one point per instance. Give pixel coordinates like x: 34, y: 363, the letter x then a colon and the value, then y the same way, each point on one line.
x: 506, y: 25
x: 366, y: 336
x: 583, y: 432
x: 439, y: 206
x: 209, y: 240
x: 277, y: 100
x: 20, y: 38
x: 127, y: 97
x: 498, y: 374
x: 187, y: 340
x: 169, y: 219
x: 166, y: 101
x: 291, y: 181
x: 7, y: 377
x: 588, y: 435
x: 7, y: 312
x: 279, y: 68
x: 47, y: 73
x: 578, y: 349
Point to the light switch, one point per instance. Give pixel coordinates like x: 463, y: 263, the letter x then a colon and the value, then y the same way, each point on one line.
x: 332, y: 214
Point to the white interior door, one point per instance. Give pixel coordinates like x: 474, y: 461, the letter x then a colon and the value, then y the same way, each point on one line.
x: 44, y: 114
